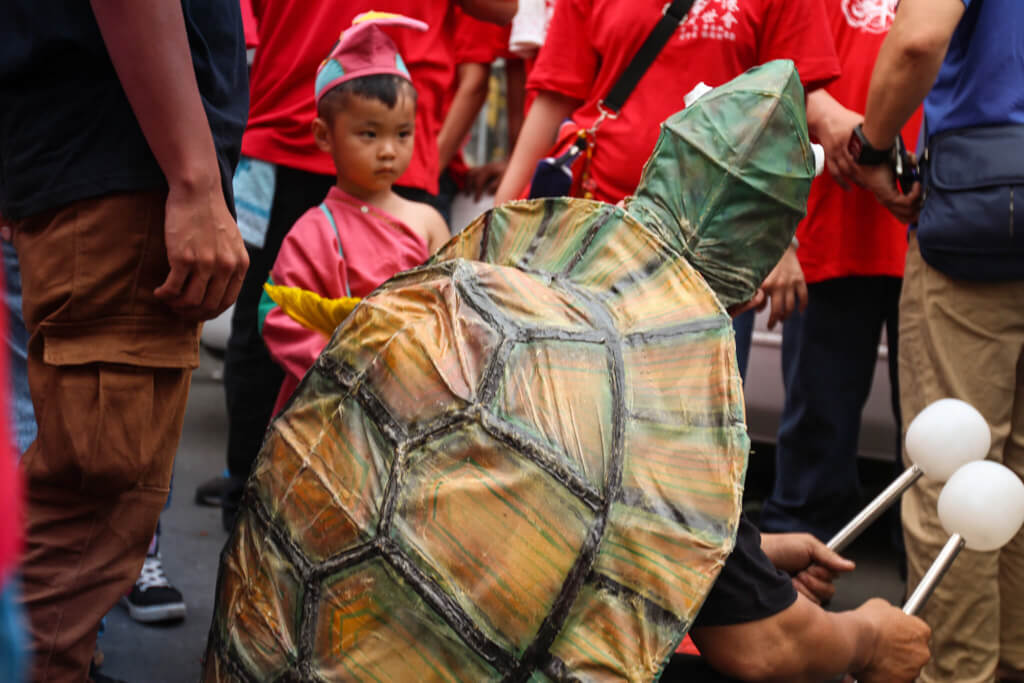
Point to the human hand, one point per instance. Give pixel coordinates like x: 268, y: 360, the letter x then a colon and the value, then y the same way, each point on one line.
x: 833, y: 132
x: 881, y: 181
x: 756, y: 302
x: 816, y: 584
x: 900, y: 647
x: 205, y: 251
x: 786, y: 287
x: 813, y: 565
x: 485, y: 179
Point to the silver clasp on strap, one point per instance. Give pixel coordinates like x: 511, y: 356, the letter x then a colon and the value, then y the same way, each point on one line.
x: 605, y: 114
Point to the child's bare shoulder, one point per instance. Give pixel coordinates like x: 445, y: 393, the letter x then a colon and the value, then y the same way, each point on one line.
x: 425, y: 220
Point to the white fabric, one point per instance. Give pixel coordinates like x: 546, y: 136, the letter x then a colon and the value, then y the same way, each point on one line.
x: 529, y: 27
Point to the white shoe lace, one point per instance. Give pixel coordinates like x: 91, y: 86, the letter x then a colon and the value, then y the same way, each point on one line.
x: 152, y: 574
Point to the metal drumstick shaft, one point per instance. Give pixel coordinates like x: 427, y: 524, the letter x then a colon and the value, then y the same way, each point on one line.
x: 875, y: 508
x: 934, y: 574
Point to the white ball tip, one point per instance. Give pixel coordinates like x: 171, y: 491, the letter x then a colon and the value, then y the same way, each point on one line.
x: 983, y: 502
x: 946, y: 435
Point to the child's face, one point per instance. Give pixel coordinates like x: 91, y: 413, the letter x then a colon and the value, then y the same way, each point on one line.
x: 371, y: 144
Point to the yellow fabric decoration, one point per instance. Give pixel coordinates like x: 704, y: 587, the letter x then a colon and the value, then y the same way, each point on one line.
x: 374, y: 15
x: 310, y: 309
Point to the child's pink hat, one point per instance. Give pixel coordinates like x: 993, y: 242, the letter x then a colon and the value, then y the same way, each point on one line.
x: 365, y: 50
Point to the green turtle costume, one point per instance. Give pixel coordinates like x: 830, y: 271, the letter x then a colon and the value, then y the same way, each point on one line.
x: 523, y: 461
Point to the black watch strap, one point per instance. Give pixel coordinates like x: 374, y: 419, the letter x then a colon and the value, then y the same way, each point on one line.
x: 862, y: 151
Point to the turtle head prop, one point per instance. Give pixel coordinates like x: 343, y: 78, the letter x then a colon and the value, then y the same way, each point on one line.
x: 729, y: 179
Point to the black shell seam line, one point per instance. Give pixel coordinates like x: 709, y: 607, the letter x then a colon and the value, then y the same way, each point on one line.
x: 537, y: 652
x: 545, y: 224
x: 445, y: 606
x: 544, y: 458
x: 606, y: 215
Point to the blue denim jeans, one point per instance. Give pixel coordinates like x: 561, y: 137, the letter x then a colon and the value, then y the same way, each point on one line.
x: 743, y: 326
x: 828, y: 361
x: 23, y: 416
x: 13, y: 641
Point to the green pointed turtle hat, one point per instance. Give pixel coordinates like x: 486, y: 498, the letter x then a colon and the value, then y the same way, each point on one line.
x: 727, y: 183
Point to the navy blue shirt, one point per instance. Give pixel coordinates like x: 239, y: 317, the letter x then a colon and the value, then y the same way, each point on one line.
x: 981, y: 82
x: 67, y: 131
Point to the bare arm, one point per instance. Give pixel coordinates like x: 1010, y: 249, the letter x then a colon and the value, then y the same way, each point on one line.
x: 486, y: 178
x: 494, y: 11
x: 437, y: 231
x: 470, y: 95
x: 907, y: 64
x: 876, y: 642
x: 423, y: 219
x: 535, y: 138
x: 831, y: 123
x: 149, y: 48
x: 515, y: 98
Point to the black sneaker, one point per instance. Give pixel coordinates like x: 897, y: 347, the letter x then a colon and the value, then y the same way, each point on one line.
x: 153, y: 598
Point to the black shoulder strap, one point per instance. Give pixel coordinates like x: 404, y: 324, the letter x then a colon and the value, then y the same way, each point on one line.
x: 674, y: 14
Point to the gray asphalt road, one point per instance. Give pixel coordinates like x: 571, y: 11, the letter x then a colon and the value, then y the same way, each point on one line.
x: 193, y: 538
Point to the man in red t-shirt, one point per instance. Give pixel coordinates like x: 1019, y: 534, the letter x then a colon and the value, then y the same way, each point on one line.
x: 589, y: 44
x: 852, y: 252
x: 282, y: 174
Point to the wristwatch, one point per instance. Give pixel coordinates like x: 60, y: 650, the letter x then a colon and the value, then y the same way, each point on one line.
x: 862, y: 151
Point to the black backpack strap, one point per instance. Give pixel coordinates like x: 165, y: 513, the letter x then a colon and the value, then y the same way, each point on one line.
x: 674, y: 14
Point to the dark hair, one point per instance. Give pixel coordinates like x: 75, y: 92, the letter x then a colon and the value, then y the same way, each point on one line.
x: 386, y: 88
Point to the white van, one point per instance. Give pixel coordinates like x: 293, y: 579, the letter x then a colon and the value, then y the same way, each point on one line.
x: 764, y: 393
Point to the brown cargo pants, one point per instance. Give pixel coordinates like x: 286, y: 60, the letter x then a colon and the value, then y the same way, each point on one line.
x: 965, y: 340
x: 109, y: 368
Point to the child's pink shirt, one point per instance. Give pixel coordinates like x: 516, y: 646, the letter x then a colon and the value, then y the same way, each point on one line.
x: 369, y: 247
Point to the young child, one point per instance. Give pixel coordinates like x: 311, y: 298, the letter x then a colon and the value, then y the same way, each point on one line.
x: 362, y: 233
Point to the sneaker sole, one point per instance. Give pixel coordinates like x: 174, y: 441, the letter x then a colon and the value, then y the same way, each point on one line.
x: 154, y: 613
x: 207, y: 500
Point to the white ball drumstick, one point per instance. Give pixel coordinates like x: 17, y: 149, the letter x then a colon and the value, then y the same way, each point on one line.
x: 946, y: 435
x: 982, y: 507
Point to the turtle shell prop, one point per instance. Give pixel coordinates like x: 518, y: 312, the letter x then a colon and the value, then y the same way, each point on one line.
x: 522, y: 461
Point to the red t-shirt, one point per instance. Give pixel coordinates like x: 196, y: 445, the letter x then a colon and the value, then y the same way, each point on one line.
x: 590, y: 42
x: 249, y: 27
x: 849, y: 232
x: 294, y: 38
x: 479, y: 42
